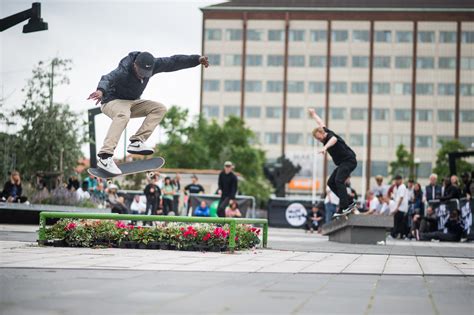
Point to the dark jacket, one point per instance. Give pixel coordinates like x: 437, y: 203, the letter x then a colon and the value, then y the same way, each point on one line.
x: 122, y: 83
x: 455, y: 227
x: 11, y: 190
x: 451, y: 192
x: 429, y: 192
x: 228, y: 184
x: 152, y: 196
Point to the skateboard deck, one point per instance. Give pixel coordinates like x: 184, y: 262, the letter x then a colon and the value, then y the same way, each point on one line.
x: 127, y: 168
x: 345, y: 215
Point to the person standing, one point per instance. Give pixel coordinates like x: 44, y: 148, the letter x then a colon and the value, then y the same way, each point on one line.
x: 194, y: 187
x: 228, y: 184
x: 152, y: 194
x: 168, y: 196
x: 433, y: 190
x: 119, y: 94
x: 401, y: 208
x: 343, y: 157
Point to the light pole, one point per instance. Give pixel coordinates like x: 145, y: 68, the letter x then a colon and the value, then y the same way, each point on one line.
x: 34, y: 24
x: 417, y: 163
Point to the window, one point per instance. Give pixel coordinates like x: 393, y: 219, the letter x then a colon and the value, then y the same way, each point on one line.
x: 466, y: 115
x: 447, y: 37
x: 233, y: 34
x: 467, y: 37
x: 424, y: 141
x: 337, y: 113
x: 402, y: 139
x: 380, y: 141
x: 233, y: 60
x: 356, y: 140
x: 338, y: 87
x: 231, y: 111
x: 467, y: 63
x: 425, y: 62
x: 424, y: 88
x: 318, y: 35
x: 254, y: 35
x: 424, y: 115
x: 359, y: 36
x: 213, y: 34
x: 445, y: 115
x: 403, y: 62
x: 381, y: 88
x: 232, y: 85
x: 338, y: 61
x: 296, y: 35
x: 272, y: 138
x: 339, y: 36
x: 402, y: 88
x: 446, y: 88
x: 359, y: 88
x: 467, y: 89
x: 211, y: 85
x: 275, y: 60
x: 274, y: 86
x: 358, y: 113
x: 253, y: 86
x: 214, y: 59
x: 252, y: 112
x: 360, y: 61
x: 276, y: 35
x: 426, y: 37
x: 254, y: 60
x: 467, y: 141
x: 317, y: 61
x: 404, y: 36
x: 210, y: 111
x: 321, y: 112
x: 402, y: 114
x: 296, y: 61
x: 317, y: 87
x: 310, y: 140
x: 295, y: 86
x: 424, y: 170
x: 447, y: 63
x: 383, y: 36
x: 382, y: 62
x: 294, y: 138
x: 380, y: 114
x: 379, y: 168
x: 273, y: 112
x: 295, y: 112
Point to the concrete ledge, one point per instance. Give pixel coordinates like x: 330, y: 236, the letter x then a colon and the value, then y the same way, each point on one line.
x: 18, y: 213
x: 358, y: 229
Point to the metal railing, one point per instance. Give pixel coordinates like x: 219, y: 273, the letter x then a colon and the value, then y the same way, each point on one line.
x: 133, y: 217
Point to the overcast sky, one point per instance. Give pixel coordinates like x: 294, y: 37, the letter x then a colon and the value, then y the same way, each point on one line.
x: 96, y: 35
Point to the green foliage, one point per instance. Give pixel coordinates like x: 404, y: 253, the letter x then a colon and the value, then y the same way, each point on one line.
x: 48, y: 129
x: 206, y: 145
x: 442, y: 160
x: 404, y: 164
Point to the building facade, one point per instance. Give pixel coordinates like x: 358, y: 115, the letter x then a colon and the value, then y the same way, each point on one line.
x: 381, y: 73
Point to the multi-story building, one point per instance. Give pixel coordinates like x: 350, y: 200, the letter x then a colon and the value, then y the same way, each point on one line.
x: 381, y: 73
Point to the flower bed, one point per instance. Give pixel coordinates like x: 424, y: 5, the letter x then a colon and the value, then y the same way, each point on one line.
x: 177, y: 236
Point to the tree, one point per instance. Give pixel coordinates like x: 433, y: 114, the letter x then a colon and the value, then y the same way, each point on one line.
x: 442, y: 161
x: 403, y: 164
x: 50, y: 132
x: 206, y: 145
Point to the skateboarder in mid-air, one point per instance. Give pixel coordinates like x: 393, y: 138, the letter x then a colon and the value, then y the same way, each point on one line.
x: 343, y: 157
x: 119, y: 94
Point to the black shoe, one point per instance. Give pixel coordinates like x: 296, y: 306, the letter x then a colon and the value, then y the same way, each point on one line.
x: 349, y: 208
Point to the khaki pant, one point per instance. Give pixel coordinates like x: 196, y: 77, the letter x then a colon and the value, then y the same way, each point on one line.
x: 120, y: 111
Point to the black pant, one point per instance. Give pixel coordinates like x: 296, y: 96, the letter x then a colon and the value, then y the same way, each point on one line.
x: 337, y: 181
x: 151, y: 205
x: 223, y: 203
x: 399, y: 224
x: 167, y: 206
x: 438, y: 235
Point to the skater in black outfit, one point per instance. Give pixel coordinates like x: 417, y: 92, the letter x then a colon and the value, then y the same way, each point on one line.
x: 343, y: 157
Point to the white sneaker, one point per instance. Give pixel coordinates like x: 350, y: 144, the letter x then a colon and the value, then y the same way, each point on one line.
x: 108, y: 165
x: 139, y: 147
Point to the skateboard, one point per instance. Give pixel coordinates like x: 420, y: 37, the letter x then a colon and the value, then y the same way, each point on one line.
x: 347, y: 214
x: 148, y: 165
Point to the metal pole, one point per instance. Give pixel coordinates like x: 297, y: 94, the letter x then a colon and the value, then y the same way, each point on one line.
x: 313, y: 182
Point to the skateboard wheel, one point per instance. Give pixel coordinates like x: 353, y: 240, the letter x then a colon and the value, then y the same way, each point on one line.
x: 109, y: 182
x: 150, y: 175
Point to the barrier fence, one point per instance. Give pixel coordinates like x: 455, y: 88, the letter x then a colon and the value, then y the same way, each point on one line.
x: 99, y: 216
x: 444, y: 208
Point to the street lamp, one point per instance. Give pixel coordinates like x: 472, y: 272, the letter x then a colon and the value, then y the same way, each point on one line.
x: 35, y: 22
x: 417, y: 163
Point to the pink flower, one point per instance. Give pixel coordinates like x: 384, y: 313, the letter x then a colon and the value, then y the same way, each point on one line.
x: 70, y: 226
x: 120, y: 225
x: 130, y: 227
x: 206, y: 237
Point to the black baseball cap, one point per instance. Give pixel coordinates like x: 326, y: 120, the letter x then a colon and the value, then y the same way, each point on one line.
x: 145, y: 62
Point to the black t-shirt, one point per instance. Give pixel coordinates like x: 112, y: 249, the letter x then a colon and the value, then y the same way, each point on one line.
x: 194, y: 188
x: 339, y: 152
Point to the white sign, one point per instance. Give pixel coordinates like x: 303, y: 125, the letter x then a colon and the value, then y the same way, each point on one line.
x: 296, y: 214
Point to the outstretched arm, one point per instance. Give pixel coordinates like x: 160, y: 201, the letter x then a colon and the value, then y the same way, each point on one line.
x: 315, y: 116
x: 178, y: 62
